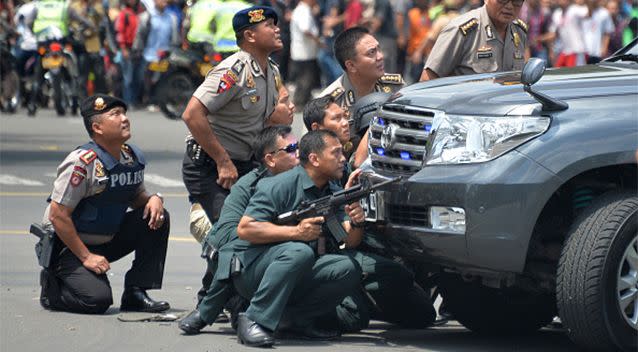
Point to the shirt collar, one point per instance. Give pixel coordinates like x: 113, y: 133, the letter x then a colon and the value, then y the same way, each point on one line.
x: 486, y: 21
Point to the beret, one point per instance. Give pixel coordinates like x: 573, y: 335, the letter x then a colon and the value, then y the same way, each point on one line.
x: 253, y: 15
x: 99, y: 103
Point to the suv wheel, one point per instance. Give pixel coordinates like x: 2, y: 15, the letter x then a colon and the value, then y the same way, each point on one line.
x: 496, y: 311
x: 597, y: 279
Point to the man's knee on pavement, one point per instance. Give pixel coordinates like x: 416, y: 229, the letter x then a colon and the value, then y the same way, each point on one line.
x: 95, y: 303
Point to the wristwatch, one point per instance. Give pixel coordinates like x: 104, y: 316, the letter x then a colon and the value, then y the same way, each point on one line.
x: 159, y: 195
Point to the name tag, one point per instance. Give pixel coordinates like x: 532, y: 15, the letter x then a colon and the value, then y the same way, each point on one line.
x: 485, y: 55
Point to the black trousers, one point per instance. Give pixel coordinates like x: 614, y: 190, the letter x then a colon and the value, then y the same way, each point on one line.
x: 74, y: 288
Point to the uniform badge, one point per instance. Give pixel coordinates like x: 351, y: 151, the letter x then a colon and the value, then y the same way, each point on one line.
x: 336, y: 93
x: 517, y: 39
x: 278, y: 82
x: 468, y: 26
x: 250, y: 81
x: 350, y: 97
x: 518, y: 54
x: 99, y: 169
x: 77, y: 176
x: 386, y: 89
x: 88, y: 157
x: 255, y: 66
x: 254, y: 99
x: 99, y: 104
x: 347, y: 147
x: 488, y: 32
x: 237, y: 67
x: 256, y: 16
x: 484, y: 52
x: 225, y: 83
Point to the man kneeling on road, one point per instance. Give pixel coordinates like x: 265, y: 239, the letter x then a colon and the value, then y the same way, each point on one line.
x: 390, y: 291
x: 95, y: 186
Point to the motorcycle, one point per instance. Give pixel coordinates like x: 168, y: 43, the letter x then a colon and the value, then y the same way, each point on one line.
x: 10, y: 80
x: 175, y: 77
x: 56, y: 73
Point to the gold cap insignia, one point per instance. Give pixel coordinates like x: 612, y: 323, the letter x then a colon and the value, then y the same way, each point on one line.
x: 99, y: 104
x: 256, y: 16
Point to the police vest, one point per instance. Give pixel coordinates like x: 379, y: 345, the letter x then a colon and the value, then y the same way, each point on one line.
x: 104, y: 212
x: 224, y: 37
x: 51, y: 13
x: 202, y: 13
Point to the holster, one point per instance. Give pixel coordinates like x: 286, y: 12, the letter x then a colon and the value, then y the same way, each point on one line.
x: 197, y: 154
x: 44, y: 248
x: 209, y: 252
x: 235, y: 266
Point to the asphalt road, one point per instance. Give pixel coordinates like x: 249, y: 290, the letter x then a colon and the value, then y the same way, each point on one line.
x: 30, y: 150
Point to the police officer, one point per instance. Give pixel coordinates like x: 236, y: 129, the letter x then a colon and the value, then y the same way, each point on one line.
x: 277, y: 149
x: 487, y: 39
x: 229, y: 109
x: 360, y: 56
x: 87, y: 209
x: 395, y: 296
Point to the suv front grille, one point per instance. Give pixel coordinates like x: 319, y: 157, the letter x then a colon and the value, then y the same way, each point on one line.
x: 398, y: 138
x: 408, y: 215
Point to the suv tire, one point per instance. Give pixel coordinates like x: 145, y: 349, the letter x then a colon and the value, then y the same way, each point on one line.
x: 495, y: 311
x: 599, y: 254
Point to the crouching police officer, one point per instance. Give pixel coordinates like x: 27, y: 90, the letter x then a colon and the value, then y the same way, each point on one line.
x: 87, y: 209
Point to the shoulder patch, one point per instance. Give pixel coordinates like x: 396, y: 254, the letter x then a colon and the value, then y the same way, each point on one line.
x: 468, y: 26
x: 519, y: 22
x: 391, y: 78
x: 337, y: 92
x: 88, y: 156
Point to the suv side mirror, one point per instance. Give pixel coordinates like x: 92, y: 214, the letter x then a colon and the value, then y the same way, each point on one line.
x: 533, y: 71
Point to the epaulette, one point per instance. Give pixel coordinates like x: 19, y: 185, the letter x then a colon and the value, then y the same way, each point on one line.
x: 238, y: 66
x: 88, y: 156
x: 337, y: 92
x: 468, y: 26
x: 519, y: 22
x: 391, y: 78
x: 126, y: 149
x: 273, y: 62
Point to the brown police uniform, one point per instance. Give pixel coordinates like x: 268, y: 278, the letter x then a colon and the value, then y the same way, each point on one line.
x: 470, y: 44
x: 239, y: 97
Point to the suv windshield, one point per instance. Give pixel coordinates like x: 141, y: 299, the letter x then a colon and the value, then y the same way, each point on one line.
x: 628, y: 53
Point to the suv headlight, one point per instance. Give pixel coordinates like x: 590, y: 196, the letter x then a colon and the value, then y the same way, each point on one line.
x: 461, y: 139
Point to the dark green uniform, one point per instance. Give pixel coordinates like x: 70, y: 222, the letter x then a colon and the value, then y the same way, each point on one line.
x: 281, y: 277
x: 390, y: 292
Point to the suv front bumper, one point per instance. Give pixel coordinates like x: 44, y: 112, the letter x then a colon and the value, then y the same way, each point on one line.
x: 501, y: 199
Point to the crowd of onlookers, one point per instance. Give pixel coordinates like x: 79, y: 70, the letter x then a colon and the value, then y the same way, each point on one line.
x: 115, y: 40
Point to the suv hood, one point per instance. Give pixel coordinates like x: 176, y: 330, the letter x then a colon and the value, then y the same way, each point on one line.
x: 500, y: 93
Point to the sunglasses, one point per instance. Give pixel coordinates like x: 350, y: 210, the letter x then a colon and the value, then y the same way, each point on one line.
x: 516, y: 3
x: 290, y: 148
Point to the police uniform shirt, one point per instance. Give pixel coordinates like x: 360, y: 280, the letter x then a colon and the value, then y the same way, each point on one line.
x: 345, y: 96
x: 82, y: 175
x: 470, y: 44
x: 239, y: 97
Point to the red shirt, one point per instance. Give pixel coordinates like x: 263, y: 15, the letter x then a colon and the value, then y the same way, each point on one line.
x: 125, y: 27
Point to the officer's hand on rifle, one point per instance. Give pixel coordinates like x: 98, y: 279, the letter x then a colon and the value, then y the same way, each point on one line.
x: 309, y: 229
x: 96, y: 263
x: 353, y: 179
x: 355, y: 212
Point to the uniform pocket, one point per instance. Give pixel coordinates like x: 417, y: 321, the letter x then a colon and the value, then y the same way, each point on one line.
x: 484, y: 61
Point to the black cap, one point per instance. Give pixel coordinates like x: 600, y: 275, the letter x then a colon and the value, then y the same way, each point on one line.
x: 253, y: 15
x: 99, y: 103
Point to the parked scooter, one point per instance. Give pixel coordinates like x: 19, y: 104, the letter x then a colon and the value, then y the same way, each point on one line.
x: 175, y: 77
x: 56, y: 73
x: 9, y: 78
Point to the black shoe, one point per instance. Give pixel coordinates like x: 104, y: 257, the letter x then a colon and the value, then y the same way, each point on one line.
x: 44, y: 292
x: 252, y: 334
x: 235, y: 305
x: 134, y: 299
x: 192, y: 323
x: 311, y: 333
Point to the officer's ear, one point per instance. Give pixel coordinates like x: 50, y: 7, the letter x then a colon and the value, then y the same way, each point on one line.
x: 249, y: 35
x: 315, y: 126
x: 96, y: 127
x: 350, y: 67
x: 313, y: 159
x: 269, y: 160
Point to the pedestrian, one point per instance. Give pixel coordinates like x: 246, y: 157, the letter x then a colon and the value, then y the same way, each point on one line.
x: 125, y: 29
x: 359, y: 54
x: 569, y: 45
x: 95, y: 186
x: 228, y: 110
x: 488, y: 39
x: 304, y: 50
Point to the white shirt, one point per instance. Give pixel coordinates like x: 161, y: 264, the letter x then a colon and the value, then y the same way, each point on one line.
x: 27, y: 38
x: 569, y: 30
x: 302, y: 47
x: 594, y: 27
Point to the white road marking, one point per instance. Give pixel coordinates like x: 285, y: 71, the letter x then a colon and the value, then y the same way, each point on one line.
x: 162, y: 181
x: 11, y: 180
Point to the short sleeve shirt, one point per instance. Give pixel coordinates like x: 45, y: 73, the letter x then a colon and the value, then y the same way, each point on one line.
x: 470, y: 44
x: 285, y: 192
x: 239, y: 97
x: 78, y: 179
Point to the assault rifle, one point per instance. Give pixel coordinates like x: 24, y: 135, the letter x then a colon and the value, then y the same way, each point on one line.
x: 327, y: 207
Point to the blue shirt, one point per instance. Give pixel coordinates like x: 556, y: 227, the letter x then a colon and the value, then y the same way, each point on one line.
x: 159, y: 36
